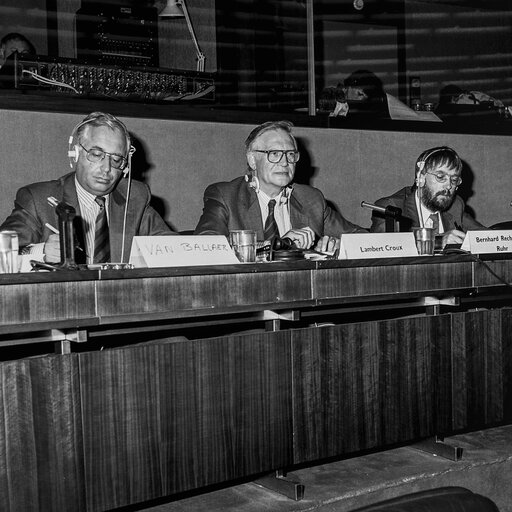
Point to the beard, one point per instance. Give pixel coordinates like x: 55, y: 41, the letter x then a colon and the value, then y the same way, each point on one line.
x: 439, y: 201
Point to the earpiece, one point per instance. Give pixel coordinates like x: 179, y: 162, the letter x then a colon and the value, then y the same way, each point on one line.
x: 253, y: 181
x: 129, y: 164
x: 287, y: 192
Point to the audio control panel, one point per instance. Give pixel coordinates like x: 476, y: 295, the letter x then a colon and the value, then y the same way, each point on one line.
x: 72, y: 77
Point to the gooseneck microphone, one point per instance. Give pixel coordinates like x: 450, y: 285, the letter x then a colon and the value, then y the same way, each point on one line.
x: 391, y: 213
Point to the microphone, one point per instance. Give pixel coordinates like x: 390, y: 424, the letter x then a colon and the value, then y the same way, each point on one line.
x: 374, y: 207
x: 391, y: 211
x: 391, y: 214
x: 66, y: 214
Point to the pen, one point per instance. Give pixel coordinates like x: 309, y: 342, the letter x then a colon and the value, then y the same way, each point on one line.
x: 51, y: 228
x: 52, y: 201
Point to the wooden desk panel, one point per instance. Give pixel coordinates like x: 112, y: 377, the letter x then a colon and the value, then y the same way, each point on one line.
x: 175, y: 296
x: 500, y: 266
x: 372, y: 384
x: 46, y: 302
x: 162, y: 418
x: 368, y: 279
x: 40, y: 436
x: 105, y: 429
x: 482, y: 355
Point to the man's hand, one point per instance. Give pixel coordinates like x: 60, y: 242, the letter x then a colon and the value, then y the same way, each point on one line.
x: 454, y: 236
x: 52, y: 249
x: 327, y: 244
x: 303, y: 238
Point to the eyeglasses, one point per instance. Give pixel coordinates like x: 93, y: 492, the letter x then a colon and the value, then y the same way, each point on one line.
x: 97, y: 155
x: 274, y: 156
x: 441, y: 177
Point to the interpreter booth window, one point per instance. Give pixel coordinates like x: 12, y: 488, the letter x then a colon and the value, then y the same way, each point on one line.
x: 440, y: 61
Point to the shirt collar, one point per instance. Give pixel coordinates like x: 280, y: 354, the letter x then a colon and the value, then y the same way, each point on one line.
x: 85, y: 197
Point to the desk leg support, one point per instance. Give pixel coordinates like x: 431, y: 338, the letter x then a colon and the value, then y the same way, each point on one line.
x: 436, y: 446
x: 63, y: 339
x: 280, y: 483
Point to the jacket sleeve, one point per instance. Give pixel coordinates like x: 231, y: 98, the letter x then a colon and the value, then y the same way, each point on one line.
x: 215, y: 217
x: 379, y: 221
x: 152, y: 223
x: 469, y: 223
x: 25, y: 219
x: 335, y: 224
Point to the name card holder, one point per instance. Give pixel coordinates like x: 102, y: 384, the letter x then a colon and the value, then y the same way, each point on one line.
x: 181, y: 251
x: 377, y: 245
x: 491, y: 241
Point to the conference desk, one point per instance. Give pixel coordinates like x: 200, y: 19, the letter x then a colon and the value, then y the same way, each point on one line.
x: 174, y: 379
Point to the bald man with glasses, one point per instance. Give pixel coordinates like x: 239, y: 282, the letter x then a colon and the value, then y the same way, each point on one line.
x: 432, y: 201
x: 268, y: 201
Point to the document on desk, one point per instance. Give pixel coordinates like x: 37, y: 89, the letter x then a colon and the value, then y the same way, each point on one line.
x: 181, y: 251
x: 377, y: 245
x: 491, y: 241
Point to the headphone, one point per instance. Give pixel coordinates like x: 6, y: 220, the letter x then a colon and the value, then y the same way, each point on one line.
x: 253, y: 182
x: 108, y: 119
x: 422, y: 160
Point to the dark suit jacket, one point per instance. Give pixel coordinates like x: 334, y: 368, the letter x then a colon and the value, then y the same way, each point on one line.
x: 234, y: 205
x: 31, y: 212
x: 404, y: 199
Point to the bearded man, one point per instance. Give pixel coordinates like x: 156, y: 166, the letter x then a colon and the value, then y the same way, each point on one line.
x: 432, y: 201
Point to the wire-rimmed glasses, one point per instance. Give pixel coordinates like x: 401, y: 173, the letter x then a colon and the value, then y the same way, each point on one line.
x: 97, y: 155
x: 441, y: 177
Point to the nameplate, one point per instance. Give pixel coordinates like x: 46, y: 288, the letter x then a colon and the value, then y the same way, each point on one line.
x: 377, y: 245
x: 488, y: 242
x: 181, y: 251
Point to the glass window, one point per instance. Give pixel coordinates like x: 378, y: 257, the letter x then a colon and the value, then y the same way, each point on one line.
x: 415, y: 60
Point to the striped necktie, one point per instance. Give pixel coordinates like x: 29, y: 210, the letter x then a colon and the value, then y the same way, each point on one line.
x: 435, y: 222
x: 101, y: 239
x: 271, y: 230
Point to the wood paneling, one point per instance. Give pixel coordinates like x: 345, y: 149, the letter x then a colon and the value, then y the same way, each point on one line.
x: 47, y: 302
x: 174, y: 296
x: 168, y: 417
x: 370, y: 278
x: 41, y: 462
x: 372, y: 384
x: 481, y: 354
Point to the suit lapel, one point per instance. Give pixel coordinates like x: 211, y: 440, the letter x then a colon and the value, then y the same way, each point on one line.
x: 251, y: 212
x: 448, y: 221
x: 297, y: 216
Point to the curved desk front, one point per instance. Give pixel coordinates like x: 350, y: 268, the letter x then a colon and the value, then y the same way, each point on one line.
x: 315, y: 360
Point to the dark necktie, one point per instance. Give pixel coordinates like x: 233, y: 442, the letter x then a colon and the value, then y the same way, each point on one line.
x: 271, y: 230
x: 101, y: 239
x: 435, y: 222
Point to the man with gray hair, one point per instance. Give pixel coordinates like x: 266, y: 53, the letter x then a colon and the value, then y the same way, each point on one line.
x: 266, y: 199
x: 110, y: 210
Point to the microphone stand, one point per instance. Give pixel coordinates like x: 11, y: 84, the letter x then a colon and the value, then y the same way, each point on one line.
x: 391, y: 214
x: 66, y: 214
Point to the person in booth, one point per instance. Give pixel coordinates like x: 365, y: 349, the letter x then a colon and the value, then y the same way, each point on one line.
x: 266, y: 199
x: 14, y: 42
x: 432, y: 201
x: 110, y: 210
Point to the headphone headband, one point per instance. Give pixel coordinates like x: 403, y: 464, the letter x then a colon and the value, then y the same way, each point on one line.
x: 109, y: 120
x: 420, y: 163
